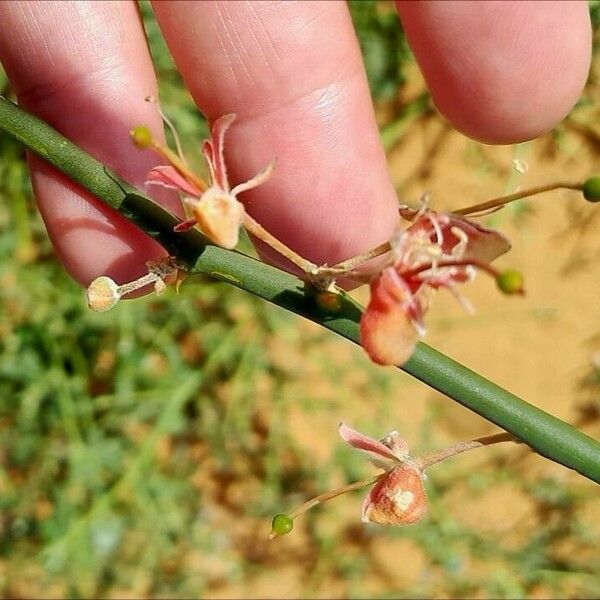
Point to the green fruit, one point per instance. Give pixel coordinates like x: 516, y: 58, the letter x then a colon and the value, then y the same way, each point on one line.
x: 510, y: 281
x: 330, y: 302
x: 282, y: 524
x: 591, y: 189
x: 141, y: 136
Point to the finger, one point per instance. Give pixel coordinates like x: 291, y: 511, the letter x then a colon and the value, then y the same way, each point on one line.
x: 501, y: 72
x: 84, y: 67
x: 293, y: 74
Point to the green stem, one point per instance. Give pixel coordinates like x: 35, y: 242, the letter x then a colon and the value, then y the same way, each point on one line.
x: 546, y: 434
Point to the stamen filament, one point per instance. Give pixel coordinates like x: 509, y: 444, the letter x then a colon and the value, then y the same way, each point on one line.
x: 481, y: 265
x: 503, y: 200
x: 175, y: 135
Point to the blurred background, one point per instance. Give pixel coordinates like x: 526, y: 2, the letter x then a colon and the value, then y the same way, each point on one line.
x: 144, y: 451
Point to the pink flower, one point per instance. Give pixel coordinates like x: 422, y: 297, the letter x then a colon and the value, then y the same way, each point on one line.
x: 435, y: 251
x: 215, y: 209
x: 398, y: 496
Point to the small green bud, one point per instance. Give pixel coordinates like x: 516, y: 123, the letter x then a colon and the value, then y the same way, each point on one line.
x: 281, y: 525
x: 591, y: 189
x: 510, y: 282
x: 330, y: 302
x: 141, y: 136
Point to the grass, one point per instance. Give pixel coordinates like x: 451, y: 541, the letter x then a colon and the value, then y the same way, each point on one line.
x: 144, y: 451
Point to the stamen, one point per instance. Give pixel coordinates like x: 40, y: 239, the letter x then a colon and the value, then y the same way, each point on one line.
x: 483, y: 266
x: 463, y: 241
x: 142, y: 137
x: 462, y: 300
x: 175, y: 135
x: 425, y: 199
x: 439, y: 237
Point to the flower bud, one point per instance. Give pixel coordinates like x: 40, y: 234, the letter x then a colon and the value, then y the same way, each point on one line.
x: 510, y: 282
x: 591, y: 189
x: 329, y: 302
x: 282, y: 524
x: 141, y: 136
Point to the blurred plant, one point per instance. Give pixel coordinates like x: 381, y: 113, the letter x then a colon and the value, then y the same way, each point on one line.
x: 383, y: 44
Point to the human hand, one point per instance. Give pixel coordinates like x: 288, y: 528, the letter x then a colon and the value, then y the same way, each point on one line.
x: 292, y: 72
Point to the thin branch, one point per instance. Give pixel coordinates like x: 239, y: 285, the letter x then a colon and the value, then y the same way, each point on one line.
x: 426, y: 460
x: 504, y: 200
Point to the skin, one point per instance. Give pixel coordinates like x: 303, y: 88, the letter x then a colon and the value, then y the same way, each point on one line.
x: 500, y: 72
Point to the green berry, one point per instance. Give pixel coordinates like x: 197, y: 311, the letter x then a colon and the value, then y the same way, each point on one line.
x: 141, y: 136
x: 510, y: 281
x: 591, y: 189
x: 330, y: 302
x: 282, y: 524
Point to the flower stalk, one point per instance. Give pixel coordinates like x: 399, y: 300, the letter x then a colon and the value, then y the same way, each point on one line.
x: 398, y: 495
x: 427, y: 460
x: 501, y: 201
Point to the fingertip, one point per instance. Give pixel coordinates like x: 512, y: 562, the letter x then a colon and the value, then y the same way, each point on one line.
x: 293, y: 74
x: 87, y: 75
x: 501, y: 72
x: 90, y: 238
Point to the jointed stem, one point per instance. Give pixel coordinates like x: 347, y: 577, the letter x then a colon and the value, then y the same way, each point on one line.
x: 502, y: 200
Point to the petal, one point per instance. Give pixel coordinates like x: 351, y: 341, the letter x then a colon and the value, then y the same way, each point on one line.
x: 260, y: 178
x: 171, y: 178
x: 219, y: 216
x: 481, y: 243
x: 484, y: 244
x: 217, y: 136
x: 376, y: 450
x: 392, y: 321
x: 185, y: 225
x: 397, y: 499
